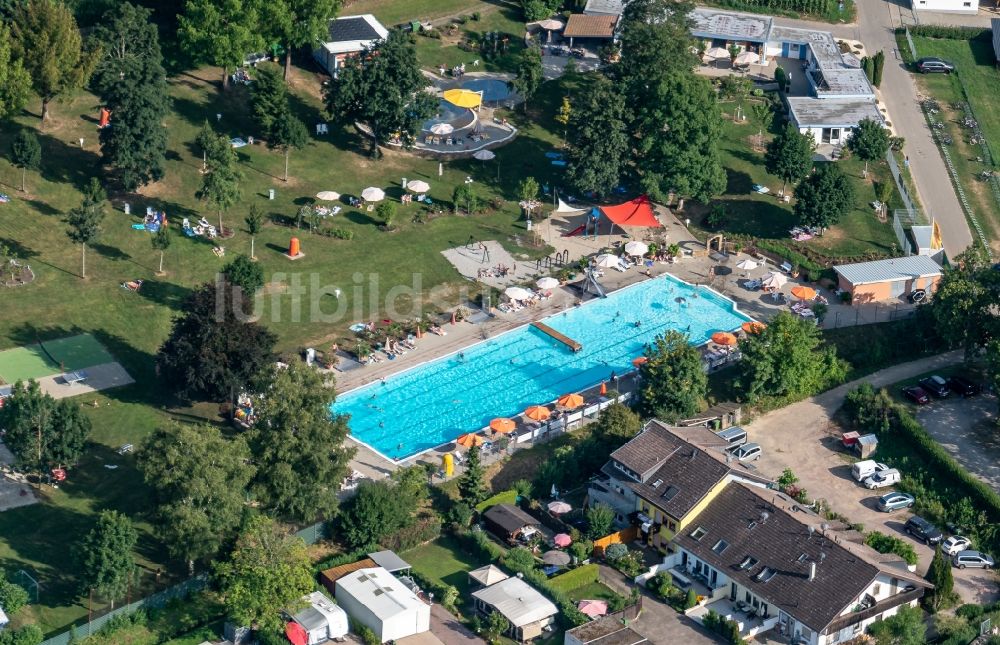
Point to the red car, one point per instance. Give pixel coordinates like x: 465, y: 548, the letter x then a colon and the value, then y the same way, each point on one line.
x: 917, y: 394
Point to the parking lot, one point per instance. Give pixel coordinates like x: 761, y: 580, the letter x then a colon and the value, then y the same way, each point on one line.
x: 803, y: 437
x: 967, y: 429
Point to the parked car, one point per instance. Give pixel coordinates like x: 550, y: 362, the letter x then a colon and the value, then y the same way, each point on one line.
x: 936, y: 385
x: 864, y: 469
x: 923, y: 530
x: 917, y: 394
x: 974, y: 559
x: 882, y: 479
x: 747, y: 452
x: 956, y: 544
x: 931, y: 65
x: 895, y: 501
x: 963, y: 386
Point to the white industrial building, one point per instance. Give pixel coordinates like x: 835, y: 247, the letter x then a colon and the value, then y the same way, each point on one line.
x: 377, y: 599
x: 947, y: 6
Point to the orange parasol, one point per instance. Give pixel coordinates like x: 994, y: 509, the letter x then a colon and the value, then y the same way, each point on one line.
x: 753, y: 327
x: 469, y: 440
x: 723, y: 338
x: 604, y: 388
x: 570, y: 401
x: 804, y: 293
x: 502, y: 425
x: 642, y: 360
x: 537, y: 413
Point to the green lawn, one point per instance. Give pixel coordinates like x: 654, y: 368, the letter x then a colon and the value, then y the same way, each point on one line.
x: 974, y: 60
x: 394, y: 12
x: 443, y: 561
x: 506, y: 20
x: 859, y: 234
x: 592, y: 591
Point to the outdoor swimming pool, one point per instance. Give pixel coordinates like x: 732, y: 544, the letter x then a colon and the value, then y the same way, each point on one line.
x: 494, y: 90
x: 435, y: 402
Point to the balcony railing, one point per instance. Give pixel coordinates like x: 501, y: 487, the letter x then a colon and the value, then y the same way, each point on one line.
x: 886, y: 603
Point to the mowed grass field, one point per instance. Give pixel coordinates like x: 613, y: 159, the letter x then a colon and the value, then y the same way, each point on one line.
x: 975, y: 64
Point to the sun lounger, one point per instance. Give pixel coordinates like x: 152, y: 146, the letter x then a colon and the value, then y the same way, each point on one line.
x: 72, y: 378
x: 132, y: 285
x: 786, y: 267
x: 763, y: 190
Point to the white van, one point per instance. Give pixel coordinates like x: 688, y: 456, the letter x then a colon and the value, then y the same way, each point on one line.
x: 865, y: 469
x: 881, y: 479
x: 733, y: 437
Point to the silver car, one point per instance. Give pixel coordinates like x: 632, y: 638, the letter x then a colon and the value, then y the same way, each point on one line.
x: 974, y: 559
x: 748, y: 452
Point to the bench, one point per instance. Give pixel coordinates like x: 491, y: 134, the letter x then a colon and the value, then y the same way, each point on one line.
x: 786, y: 267
x: 72, y: 378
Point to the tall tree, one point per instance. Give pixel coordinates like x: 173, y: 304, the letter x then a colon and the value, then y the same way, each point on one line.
x: 107, y: 563
x: 298, y: 444
x: 267, y: 573
x: 221, y: 32
x: 289, y: 132
x: 377, y: 510
x: 269, y: 98
x: 824, y: 196
x: 220, y: 185
x: 199, y: 479
x: 786, y: 359
x: 870, y: 141
x: 131, y: 82
x: 616, y: 425
x: 383, y: 88
x: 26, y: 153
x: 255, y: 222
x: 878, y: 65
x: 673, y: 379
x: 211, y: 352
x: 905, y: 627
x: 564, y: 115
x: 85, y: 227
x: 656, y: 39
x: 598, y: 139
x: 41, y: 432
x: 15, y: 82
x: 48, y: 43
x: 160, y: 242
x: 246, y: 274
x: 682, y: 157
x: 529, y: 74
x: 965, y: 301
x: 298, y: 23
x: 13, y: 597
x: 939, y: 575
x: 789, y: 155
x: 472, y: 484
x: 600, y: 520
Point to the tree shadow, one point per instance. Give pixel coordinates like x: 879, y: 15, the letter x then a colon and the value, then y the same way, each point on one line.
x: 64, y: 163
x: 42, y: 208
x: 168, y: 294
x: 110, y: 252
x: 359, y: 218
x: 18, y: 249
x: 738, y: 182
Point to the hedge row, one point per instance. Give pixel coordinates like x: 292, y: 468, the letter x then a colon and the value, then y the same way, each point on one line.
x: 576, y: 578
x: 951, y: 33
x: 890, y: 544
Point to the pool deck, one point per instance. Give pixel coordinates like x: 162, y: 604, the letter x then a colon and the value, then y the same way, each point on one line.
x: 706, y: 270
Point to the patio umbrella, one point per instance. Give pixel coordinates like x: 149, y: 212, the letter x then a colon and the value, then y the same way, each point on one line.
x: 593, y: 608
x: 537, y: 413
x: 607, y: 261
x: 717, y: 52
x: 640, y: 360
x: 551, y: 24
x: 747, y: 58
x: 372, y: 194
x: 561, y: 540
x: 547, y: 283
x: 724, y: 338
x: 442, y: 128
x: 636, y: 248
x: 571, y: 401
x: 296, y: 633
x: 517, y: 293
x: 502, y: 425
x: 328, y: 195
x: 556, y: 558
x: 559, y: 508
x: 753, y: 327
x: 471, y: 439
x: 418, y: 186
x: 484, y: 155
x: 463, y: 98
x: 774, y: 280
x: 804, y: 293
x: 747, y: 265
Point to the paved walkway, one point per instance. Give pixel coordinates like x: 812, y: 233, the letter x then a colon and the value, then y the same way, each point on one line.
x: 448, y: 630
x: 803, y: 437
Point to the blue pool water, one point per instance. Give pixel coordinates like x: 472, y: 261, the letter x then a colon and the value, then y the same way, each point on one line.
x: 493, y: 90
x: 436, y: 402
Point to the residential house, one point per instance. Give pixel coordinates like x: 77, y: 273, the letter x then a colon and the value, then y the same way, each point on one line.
x: 947, y: 6
x: 348, y: 36
x: 606, y: 630
x: 594, y: 28
x: 377, y: 599
x: 528, y: 611
x: 759, y: 558
x: 509, y: 523
x: 664, y: 476
x: 914, y: 277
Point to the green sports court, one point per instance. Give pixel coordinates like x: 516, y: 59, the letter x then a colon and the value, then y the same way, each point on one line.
x: 52, y: 357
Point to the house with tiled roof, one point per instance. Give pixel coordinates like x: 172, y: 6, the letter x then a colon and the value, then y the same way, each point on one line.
x: 664, y: 476
x: 757, y: 557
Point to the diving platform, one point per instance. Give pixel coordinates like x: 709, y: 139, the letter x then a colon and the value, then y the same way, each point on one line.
x: 562, y: 338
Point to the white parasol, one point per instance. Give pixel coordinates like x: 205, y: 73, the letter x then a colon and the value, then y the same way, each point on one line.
x: 517, y: 293
x: 607, y: 261
x: 774, y: 280
x: 328, y: 195
x: 418, y: 186
x: 717, y: 52
x: 484, y: 155
x: 636, y: 248
x: 747, y: 58
x: 747, y: 265
x: 442, y: 128
x: 372, y: 194
x: 547, y: 283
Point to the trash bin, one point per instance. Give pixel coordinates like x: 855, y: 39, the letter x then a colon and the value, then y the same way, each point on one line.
x: 270, y: 193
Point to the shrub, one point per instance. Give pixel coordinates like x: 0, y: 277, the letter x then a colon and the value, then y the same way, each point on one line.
x: 338, y: 233
x: 519, y: 559
x: 365, y: 633
x: 890, y: 544
x: 423, y: 530
x: 615, y: 552
x: 691, y: 599
x: 780, y: 77
x: 480, y: 545
x: 662, y: 584
x: 716, y: 218
x: 475, y: 16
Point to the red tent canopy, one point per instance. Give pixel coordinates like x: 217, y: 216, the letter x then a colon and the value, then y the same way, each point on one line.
x: 637, y: 212
x: 296, y: 633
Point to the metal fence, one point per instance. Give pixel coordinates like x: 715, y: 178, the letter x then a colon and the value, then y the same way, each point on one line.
x: 909, y: 43
x: 867, y: 314
x: 904, y: 192
x: 897, y: 228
